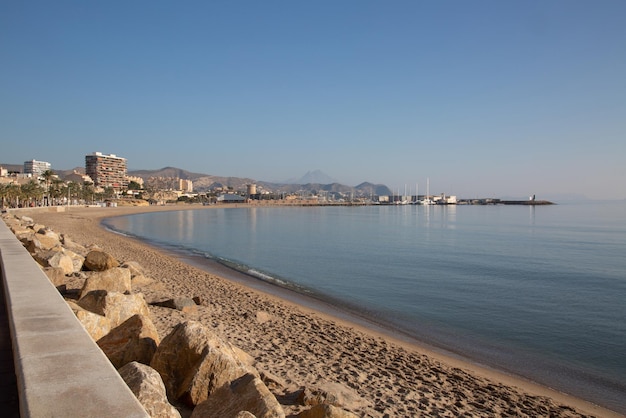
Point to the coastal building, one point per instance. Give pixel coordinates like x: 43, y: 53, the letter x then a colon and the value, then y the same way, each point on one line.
x: 230, y: 198
x: 78, y: 178
x: 36, y: 168
x: 169, y: 183
x: 185, y: 186
x: 106, y: 170
x: 3, y: 172
x: 136, y: 179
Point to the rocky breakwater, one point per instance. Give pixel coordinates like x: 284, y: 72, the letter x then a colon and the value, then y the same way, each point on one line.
x: 191, y: 371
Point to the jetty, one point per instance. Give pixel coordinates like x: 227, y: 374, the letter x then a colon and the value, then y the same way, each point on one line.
x: 492, y: 201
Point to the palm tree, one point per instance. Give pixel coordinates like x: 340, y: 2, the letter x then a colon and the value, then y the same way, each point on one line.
x: 56, y: 190
x: 47, y: 176
x: 4, y: 193
x: 71, y: 191
x: 13, y: 194
x: 30, y: 191
x: 88, y: 192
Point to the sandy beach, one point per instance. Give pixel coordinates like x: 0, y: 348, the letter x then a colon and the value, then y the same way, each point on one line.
x: 376, y: 375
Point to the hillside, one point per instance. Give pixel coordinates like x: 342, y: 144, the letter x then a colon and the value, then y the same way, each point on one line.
x: 204, y: 182
x: 13, y: 168
x: 166, y: 172
x: 311, y: 182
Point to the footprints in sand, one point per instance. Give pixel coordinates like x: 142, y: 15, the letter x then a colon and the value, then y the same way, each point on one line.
x: 306, y: 349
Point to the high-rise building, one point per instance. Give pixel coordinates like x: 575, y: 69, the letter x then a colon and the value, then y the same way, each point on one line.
x: 186, y: 186
x: 106, y: 170
x: 36, y: 168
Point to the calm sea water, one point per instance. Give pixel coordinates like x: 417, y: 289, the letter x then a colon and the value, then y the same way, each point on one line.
x: 537, y: 291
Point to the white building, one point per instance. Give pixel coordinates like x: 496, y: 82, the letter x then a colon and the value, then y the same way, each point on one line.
x: 36, y: 168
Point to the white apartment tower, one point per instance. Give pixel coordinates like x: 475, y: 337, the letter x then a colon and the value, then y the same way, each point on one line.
x: 106, y: 170
x: 36, y: 168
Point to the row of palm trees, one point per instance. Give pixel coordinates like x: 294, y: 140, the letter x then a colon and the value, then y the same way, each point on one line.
x: 49, y: 190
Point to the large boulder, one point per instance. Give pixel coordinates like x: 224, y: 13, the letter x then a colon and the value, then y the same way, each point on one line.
x: 61, y: 261
x: 136, y: 339
x: 97, y: 326
x: 40, y: 229
x: 25, y: 235
x: 42, y: 242
x: 248, y: 393
x: 27, y: 220
x: 194, y: 363
x: 146, y: 384
x: 117, y: 307
x: 326, y: 411
x: 71, y: 245
x: 97, y: 260
x: 77, y: 259
x: 135, y: 268
x: 54, y: 258
x: 56, y: 275
x: 115, y: 279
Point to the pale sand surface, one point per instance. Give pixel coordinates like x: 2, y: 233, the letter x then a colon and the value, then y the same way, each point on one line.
x: 380, y: 375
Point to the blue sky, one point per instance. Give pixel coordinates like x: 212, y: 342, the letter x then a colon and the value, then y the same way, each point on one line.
x: 487, y: 98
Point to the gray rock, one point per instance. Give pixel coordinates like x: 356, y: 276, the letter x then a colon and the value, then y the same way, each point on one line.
x: 175, y: 303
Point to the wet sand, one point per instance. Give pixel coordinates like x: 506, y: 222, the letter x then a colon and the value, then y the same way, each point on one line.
x: 305, y: 343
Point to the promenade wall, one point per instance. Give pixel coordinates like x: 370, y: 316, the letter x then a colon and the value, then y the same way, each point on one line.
x: 60, y: 370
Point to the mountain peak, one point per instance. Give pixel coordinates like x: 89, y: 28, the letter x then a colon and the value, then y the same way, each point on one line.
x: 315, y: 176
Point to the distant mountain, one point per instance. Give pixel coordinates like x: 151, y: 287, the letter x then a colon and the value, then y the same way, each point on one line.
x: 373, y: 189
x: 315, y: 176
x: 204, y: 182
x: 14, y: 168
x: 201, y: 182
x: 166, y: 172
x: 363, y: 189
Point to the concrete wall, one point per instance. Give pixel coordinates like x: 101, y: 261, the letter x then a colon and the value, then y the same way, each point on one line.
x: 61, y: 371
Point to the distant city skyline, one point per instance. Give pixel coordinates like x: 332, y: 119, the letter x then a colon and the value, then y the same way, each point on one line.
x: 484, y: 98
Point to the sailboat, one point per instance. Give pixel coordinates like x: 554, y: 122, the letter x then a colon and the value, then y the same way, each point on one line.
x: 427, y: 200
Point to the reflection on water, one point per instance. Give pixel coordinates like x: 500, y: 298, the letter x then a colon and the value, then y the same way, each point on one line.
x: 499, y: 283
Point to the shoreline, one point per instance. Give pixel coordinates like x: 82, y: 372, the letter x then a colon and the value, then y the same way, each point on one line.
x: 352, y: 328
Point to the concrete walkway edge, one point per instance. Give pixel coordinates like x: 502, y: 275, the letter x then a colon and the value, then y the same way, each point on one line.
x: 60, y: 370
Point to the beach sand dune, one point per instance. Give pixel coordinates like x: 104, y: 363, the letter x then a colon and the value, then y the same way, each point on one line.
x: 370, y: 373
